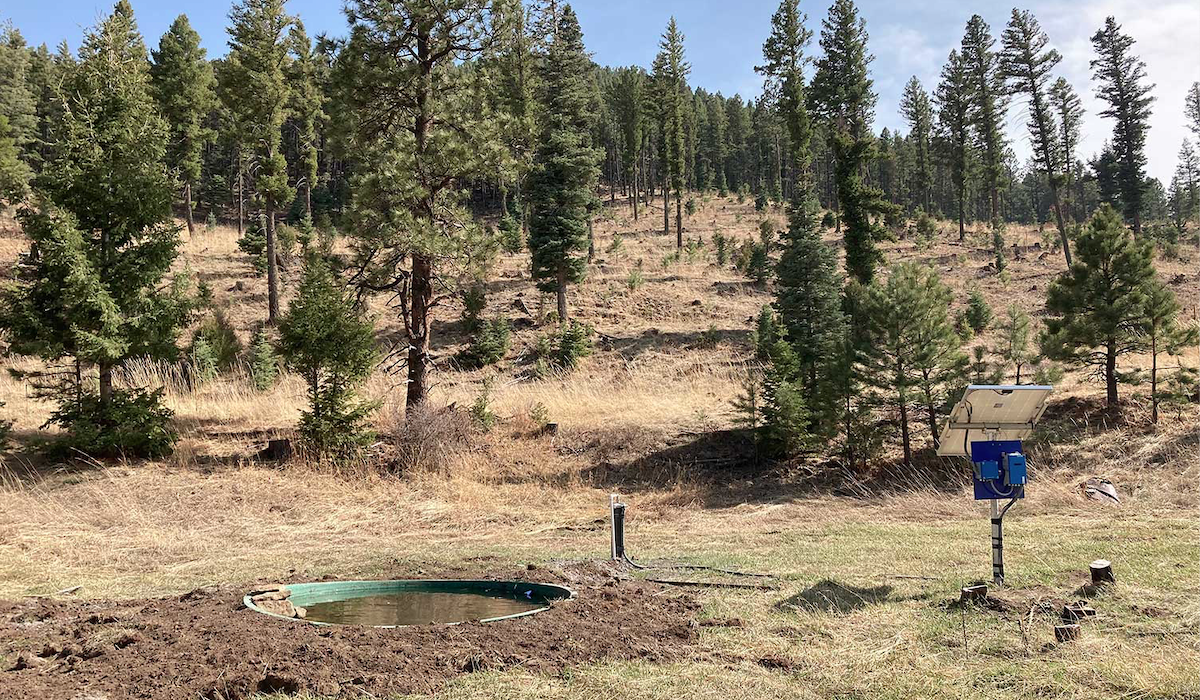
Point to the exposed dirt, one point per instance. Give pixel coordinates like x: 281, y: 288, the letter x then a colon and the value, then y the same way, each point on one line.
x: 205, y: 644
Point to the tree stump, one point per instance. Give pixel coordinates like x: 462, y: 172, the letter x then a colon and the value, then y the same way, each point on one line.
x: 973, y: 593
x: 1074, y: 612
x: 1066, y: 633
x: 1102, y: 572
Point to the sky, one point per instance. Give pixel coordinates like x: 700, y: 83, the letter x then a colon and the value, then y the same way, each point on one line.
x: 724, y: 41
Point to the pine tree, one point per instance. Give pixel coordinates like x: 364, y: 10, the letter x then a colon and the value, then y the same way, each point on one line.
x: 988, y: 106
x: 1186, y: 201
x: 17, y: 103
x: 912, y: 343
x: 627, y: 97
x: 14, y: 174
x: 1163, y: 332
x: 808, y: 288
x: 1096, y: 308
x: 412, y: 126
x: 183, y: 86
x: 264, y: 364
x: 515, y: 60
x: 326, y: 339
x: 306, y: 106
x: 1068, y: 109
x: 1192, y: 108
x: 953, y: 99
x: 1015, y: 334
x: 670, y: 78
x: 1122, y: 84
x: 918, y: 111
x: 89, y: 292
x: 256, y: 66
x: 562, y: 186
x: 1026, y: 63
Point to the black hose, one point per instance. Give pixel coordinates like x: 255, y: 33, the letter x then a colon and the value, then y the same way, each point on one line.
x: 693, y: 567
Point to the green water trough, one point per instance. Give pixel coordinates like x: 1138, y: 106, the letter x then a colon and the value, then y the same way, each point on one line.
x: 405, y: 602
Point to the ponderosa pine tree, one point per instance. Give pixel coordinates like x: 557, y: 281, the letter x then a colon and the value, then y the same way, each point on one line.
x: 412, y: 127
x: 670, y: 80
x: 1015, y: 335
x: 988, y: 100
x: 562, y: 185
x: 256, y: 66
x: 1121, y: 78
x: 1026, y: 63
x: 183, y: 84
x: 515, y: 63
x: 1163, y: 332
x: 306, y: 106
x: 1186, y: 198
x: 1097, y: 308
x: 89, y: 294
x: 911, y: 342
x: 917, y: 110
x: 953, y: 99
x: 1192, y: 109
x: 1068, y: 109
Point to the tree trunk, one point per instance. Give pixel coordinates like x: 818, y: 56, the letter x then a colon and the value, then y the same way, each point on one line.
x: 1062, y: 222
x: 591, y: 240
x: 679, y: 220
x: 962, y: 210
x: 1154, y: 378
x: 904, y: 436
x: 418, y: 330
x: 635, y: 194
x: 308, y: 200
x: 241, y: 178
x: 272, y: 265
x: 187, y: 200
x: 666, y: 211
x: 1110, y: 371
x: 561, y: 292
x: 106, y: 372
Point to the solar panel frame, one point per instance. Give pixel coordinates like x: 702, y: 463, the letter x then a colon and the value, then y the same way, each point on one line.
x: 992, y: 412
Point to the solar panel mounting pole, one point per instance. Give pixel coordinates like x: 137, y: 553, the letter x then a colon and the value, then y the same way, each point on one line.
x: 997, y: 544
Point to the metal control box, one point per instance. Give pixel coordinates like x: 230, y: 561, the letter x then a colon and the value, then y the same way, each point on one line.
x: 1014, y: 469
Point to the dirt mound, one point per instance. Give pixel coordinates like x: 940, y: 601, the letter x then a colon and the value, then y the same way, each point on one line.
x: 206, y: 644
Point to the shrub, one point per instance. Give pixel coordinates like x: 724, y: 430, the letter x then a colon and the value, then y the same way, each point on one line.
x: 203, y: 361
x: 760, y: 202
x: 617, y: 246
x: 425, y: 437
x: 979, y: 314
x: 210, y: 224
x: 721, y: 243
x: 540, y: 415
x: 563, y: 349
x: 635, y: 279
x: 133, y: 424
x: 829, y: 220
x: 254, y: 243
x: 692, y: 250
x: 216, y: 331
x: 710, y: 337
x: 5, y: 429
x: 286, y: 240
x: 488, y: 345
x: 759, y: 267
x: 474, y: 299
x: 510, y: 234
x: 481, y: 408
x: 766, y: 233
x: 264, y: 363
x: 743, y: 193
x: 924, y: 229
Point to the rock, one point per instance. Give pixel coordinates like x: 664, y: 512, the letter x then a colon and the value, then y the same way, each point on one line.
x: 277, y: 607
x: 280, y: 593
x: 25, y: 661
x: 300, y: 612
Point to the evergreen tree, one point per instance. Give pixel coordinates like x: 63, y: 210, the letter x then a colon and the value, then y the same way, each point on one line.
x: 516, y: 95
x: 562, y: 186
x: 325, y: 339
x: 1122, y: 84
x: 14, y: 174
x: 912, y: 344
x: 627, y: 97
x: 183, y: 85
x: 1192, y: 108
x: 1068, y: 109
x: 953, y: 99
x: 257, y: 68
x: 88, y: 293
x: 412, y: 127
x: 1186, y: 199
x: 670, y: 77
x: 918, y: 111
x: 17, y: 103
x: 1015, y: 334
x: 306, y: 106
x: 988, y: 106
x: 1097, y: 307
x: 1163, y: 332
x: 264, y: 364
x: 1026, y: 62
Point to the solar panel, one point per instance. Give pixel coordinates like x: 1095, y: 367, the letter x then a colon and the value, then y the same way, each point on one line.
x: 988, y: 412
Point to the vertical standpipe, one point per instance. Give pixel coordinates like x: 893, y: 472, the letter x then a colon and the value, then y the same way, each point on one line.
x: 618, y: 527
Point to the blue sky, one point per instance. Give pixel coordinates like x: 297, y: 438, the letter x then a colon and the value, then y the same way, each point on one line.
x: 724, y: 40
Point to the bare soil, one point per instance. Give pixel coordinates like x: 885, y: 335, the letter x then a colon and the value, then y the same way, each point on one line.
x: 205, y: 644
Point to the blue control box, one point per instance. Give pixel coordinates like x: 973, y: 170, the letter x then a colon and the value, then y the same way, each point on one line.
x: 1000, y: 469
x: 1014, y: 469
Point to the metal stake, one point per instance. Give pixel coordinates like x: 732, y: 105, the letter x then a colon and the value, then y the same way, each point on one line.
x: 618, y: 527
x: 997, y: 544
